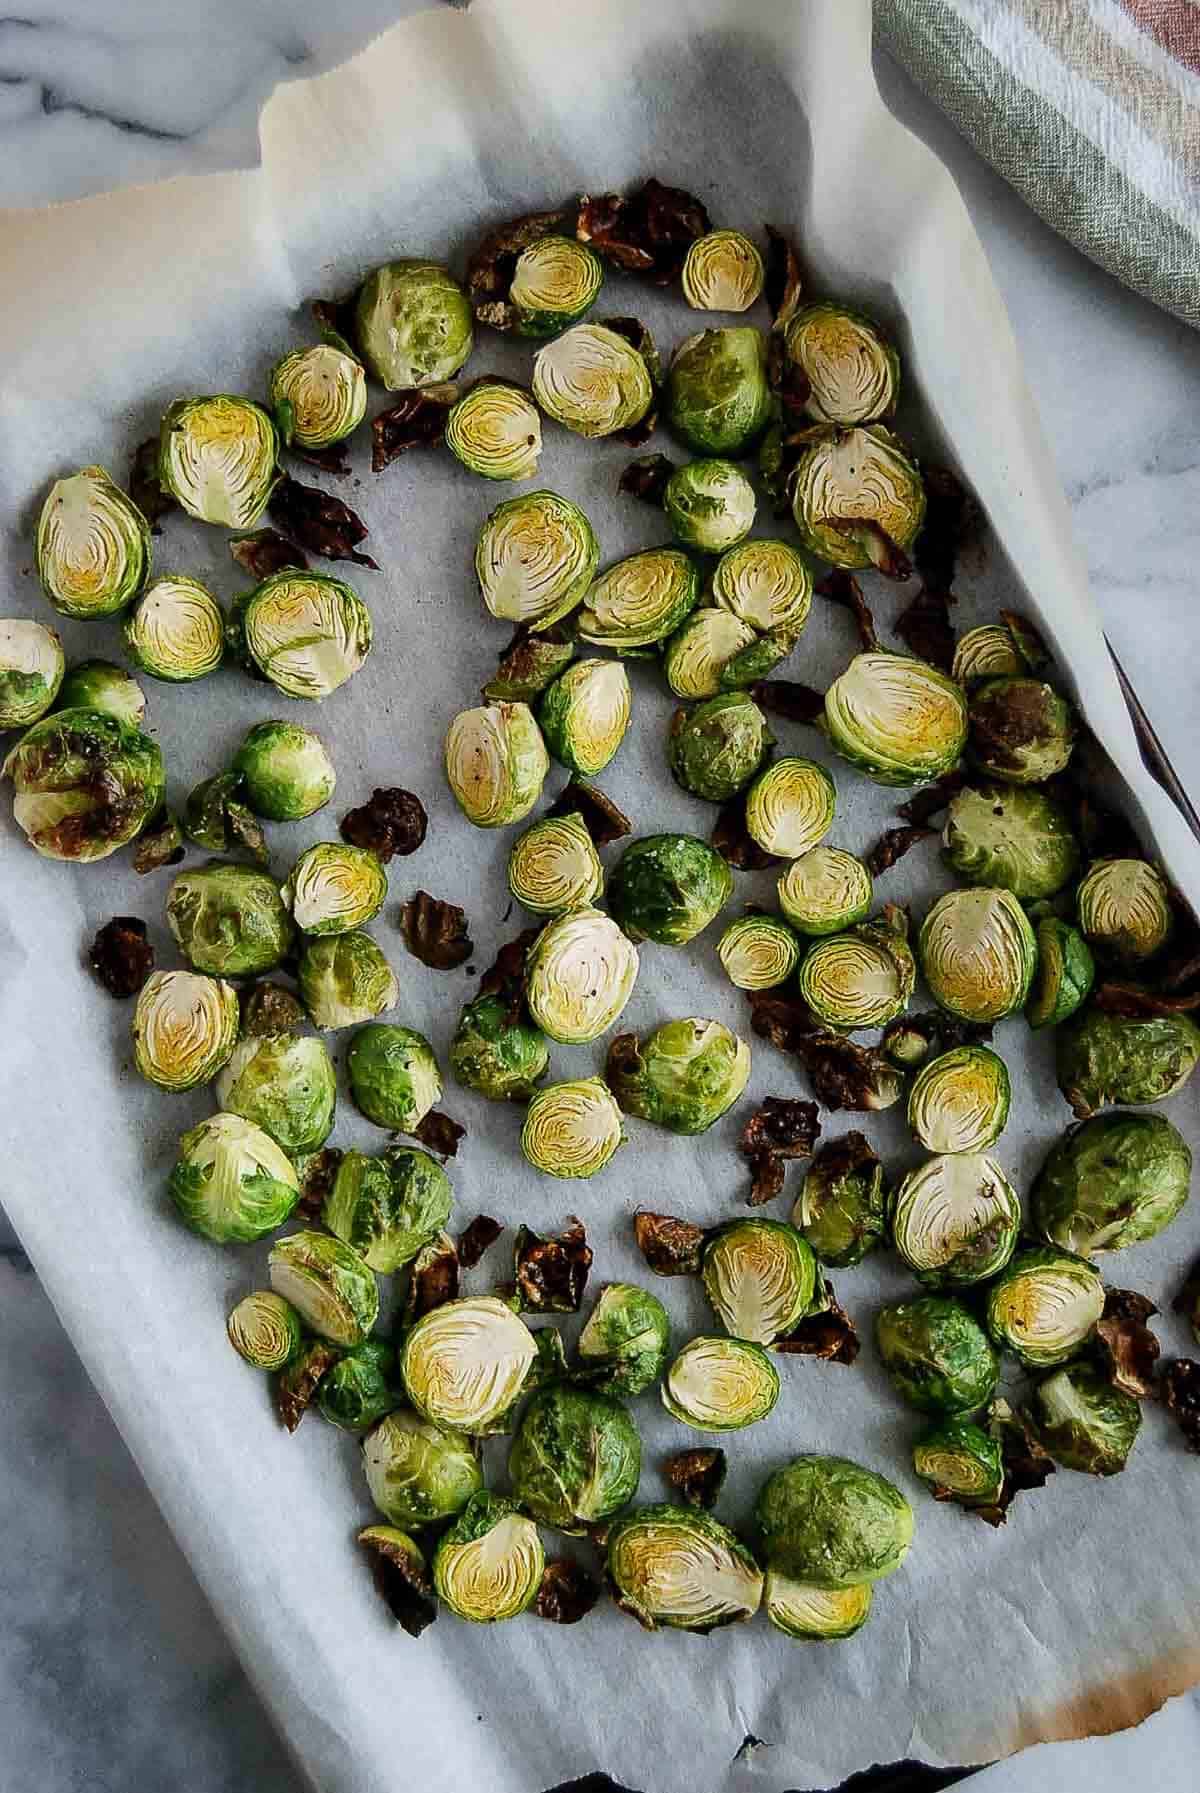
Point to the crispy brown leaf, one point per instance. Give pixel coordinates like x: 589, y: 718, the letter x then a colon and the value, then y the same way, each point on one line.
x: 734, y: 842
x: 319, y: 522
x: 317, y: 1173
x: 926, y: 803
x: 829, y: 1333
x: 532, y: 660
x: 1181, y: 1393
x: 788, y: 381
x: 416, y: 420
x: 767, y: 1173
x: 392, y: 822
x: 551, y: 1274
x: 647, y: 232
x: 158, y: 845
x: 438, y: 1133
x: 566, y: 1593
x: 646, y: 478
x: 327, y: 460
x: 296, y: 1385
x: 597, y: 811
x: 873, y: 540
x: 121, y: 956
x: 493, y: 263
x: 784, y: 1020
x: 848, y: 1076
x: 782, y: 286
x: 1126, y: 1347
x: 787, y: 698
x: 432, y: 1278
x: 400, y: 1580
x: 477, y: 1238
x: 843, y: 589
x: 264, y: 552
x: 671, y: 1247
x: 269, y: 1008
x: 925, y: 628
x: 145, y: 487
x: 1027, y: 1464
x: 436, y: 932
x: 1117, y: 998
x: 697, y: 1476
x: 952, y: 519
x: 782, y: 1125
x: 336, y: 316
x: 893, y: 844
x: 505, y: 976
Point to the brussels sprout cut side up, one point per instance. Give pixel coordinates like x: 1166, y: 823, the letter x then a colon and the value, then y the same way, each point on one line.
x: 232, y: 1183
x: 758, y: 952
x: 852, y: 373
x: 857, y: 497
x: 1125, y: 909
x: 305, y: 632
x: 593, y: 381
x: 722, y: 271
x: 959, y: 1101
x: 489, y: 1565
x: 760, y: 1277
x: 217, y: 458
x: 898, y: 720
x: 535, y: 559
x: 640, y: 600
x: 494, y: 429
x: 318, y: 395
x: 1044, y: 1305
x: 572, y: 1129
x: 554, y: 866
x: 175, y: 630
x: 92, y: 546
x: 720, y: 1384
x: 465, y: 1363
x: 978, y: 953
x: 579, y: 974
x: 825, y: 890
x: 862, y: 978
x: 496, y: 763
x: 955, y: 1219
x: 673, y: 1566
x: 31, y: 671
x: 184, y: 1029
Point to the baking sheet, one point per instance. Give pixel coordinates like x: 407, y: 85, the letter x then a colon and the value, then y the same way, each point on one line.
x: 985, y: 1641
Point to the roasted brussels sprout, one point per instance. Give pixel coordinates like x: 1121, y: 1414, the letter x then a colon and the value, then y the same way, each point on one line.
x: 720, y: 1384
x: 683, y: 1077
x: 1006, y: 836
x: 214, y: 816
x: 585, y: 713
x: 857, y: 496
x: 494, y: 1055
x: 217, y: 457
x: 717, y: 747
x: 1106, y: 1059
x: 955, y: 1219
x: 394, y: 1076
x: 265, y: 1330
x: 92, y: 545
x: 640, y: 600
x: 710, y: 505
x: 717, y: 398
x: 232, y: 1183
x: 758, y: 952
x: 184, y: 1028
x: 898, y: 720
x: 812, y: 1614
x: 412, y: 324
x: 579, y: 973
x: 1021, y: 730
x: 554, y: 866
x: 31, y: 671
x: 99, y: 685
x: 387, y: 1208
x: 959, y: 1101
x: 555, y: 282
x: 489, y: 1565
x: 1064, y: 975
x: 175, y: 630
x: 84, y: 784
x: 937, y: 1355
x: 850, y: 369
x: 229, y: 920
x: 528, y: 664
x: 465, y: 1363
x: 593, y: 381
x: 1116, y: 1180
x: 697, y: 655
x: 1044, y: 1304
x: 1124, y: 908
x: 572, y: 1129
x: 830, y: 1522
x: 285, y: 1084
x: 419, y: 1472
x: 330, y: 1286
x: 305, y: 632
x: 760, y: 1277
x: 535, y: 559
x: 494, y: 429
x: 825, y: 891
x: 333, y: 888
x: 978, y: 953
x: 863, y: 978
x: 576, y: 1458
x: 842, y: 1205
x: 667, y: 888
x: 1084, y: 1421
x: 318, y: 395
x: 496, y: 763
x: 674, y: 1566
x: 996, y: 651
x: 959, y: 1459
x: 356, y: 1391
x: 624, y: 1342
x: 766, y: 584
x: 722, y: 271
x: 286, y: 771
x: 344, y: 980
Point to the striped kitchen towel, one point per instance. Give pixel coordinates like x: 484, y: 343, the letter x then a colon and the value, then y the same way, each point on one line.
x: 1090, y: 108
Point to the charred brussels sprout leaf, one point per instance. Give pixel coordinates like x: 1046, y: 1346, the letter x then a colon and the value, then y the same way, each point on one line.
x: 184, y: 1029
x: 550, y: 1275
x: 392, y: 822
x: 1020, y: 840
x: 84, y: 784
x: 623, y: 1345
x: 1044, y: 1305
x: 1105, y: 1059
x: 1083, y: 1421
x: 576, y: 1459
x: 936, y: 1354
x: 232, y: 1183
x: 1116, y: 1180
x: 720, y: 1384
x: 645, y: 232
x: 833, y: 1523
x: 529, y: 663
x: 698, y: 1476
x: 418, y: 1472
x: 670, y: 1246
x: 672, y: 1566
x: 121, y: 956
x: 898, y: 720
x: 215, y: 817
x: 229, y: 920
x: 572, y: 1129
x: 400, y: 1577
x: 842, y: 1205
x: 296, y: 1386
x: 388, y: 1208
x: 683, y: 1077
x: 668, y: 888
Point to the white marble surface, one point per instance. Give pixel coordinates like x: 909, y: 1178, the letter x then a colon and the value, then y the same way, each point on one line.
x: 113, y: 1673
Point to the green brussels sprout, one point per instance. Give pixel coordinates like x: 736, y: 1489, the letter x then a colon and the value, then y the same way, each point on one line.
x: 101, y: 686
x: 585, y: 713
x: 419, y: 1472
x: 333, y: 888
x: 184, y: 1028
x: 1007, y: 649
x: 1021, y: 730
x: 850, y: 369
x: 720, y: 1384
x: 357, y: 1391
x: 766, y: 584
x: 760, y: 1277
x: 978, y: 953
x: 176, y: 630
x: 710, y: 505
x: 217, y: 457
x: 961, y: 1461
x: 286, y: 772
x: 92, y: 545
x: 528, y: 665
x: 1084, y: 1421
x: 624, y: 1342
x: 863, y: 978
x: 700, y: 651
x: 232, y: 1183
x: 344, y: 979
x: 576, y: 1459
x: 758, y: 952
x: 955, y: 1219
x: 554, y: 866
x: 833, y: 1523
x: 674, y: 1566
x: 717, y: 397
x: 215, y: 817
x: 387, y: 1208
x: 466, y: 1362
x: 265, y: 1330
x: 401, y: 1576
x: 936, y: 1354
x: 898, y: 720
x: 572, y: 1129
x: 593, y: 381
x: 1113, y: 1181
x: 489, y: 1565
x: 683, y: 1077
x: 1044, y: 1305
x: 668, y: 887
x: 31, y: 670
x: 535, y: 559
x: 1010, y: 837
x: 330, y: 1287
x: 1105, y: 1059
x: 496, y: 763
x: 812, y: 1614
x: 722, y: 271
x: 842, y: 1205
x: 825, y: 891
x: 1064, y: 975
x: 857, y: 495
x: 494, y: 430
x: 318, y: 395
x: 579, y: 974
x: 285, y: 1084
x: 907, y: 1043
x: 1124, y: 908
x: 640, y: 600
x: 959, y: 1101
x: 412, y: 324
x: 305, y: 632
x: 555, y: 282
x: 495, y: 1056
x: 394, y: 1076
x: 83, y: 784
x: 229, y: 920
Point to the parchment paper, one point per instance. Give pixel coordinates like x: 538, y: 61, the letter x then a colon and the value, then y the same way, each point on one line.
x: 1084, y: 1614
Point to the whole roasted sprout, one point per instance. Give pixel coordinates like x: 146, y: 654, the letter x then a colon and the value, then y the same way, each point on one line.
x: 1044, y: 1304
x: 767, y: 585
x: 229, y: 920
x: 305, y: 632
x: 214, y: 816
x: 760, y: 1277
x: 959, y: 1101
x: 217, y: 457
x: 585, y: 713
x: 357, y: 1390
x: 640, y: 600
x: 722, y: 271
x: 1124, y: 908
x: 99, y: 685
x: 318, y: 395
x: 683, y: 1076
x: 465, y: 1363
x: 535, y: 559
x: 702, y: 648
x: 812, y: 1614
x: 387, y: 1208
x: 31, y: 670
x: 720, y: 1385
x: 717, y: 396
x: 1064, y: 976
x: 576, y: 1459
x: 265, y: 1330
x: 496, y: 763
x: 857, y: 496
x: 936, y: 1354
x: 710, y: 505
x: 623, y: 1345
x: 419, y: 1472
x: 554, y: 866
x: 489, y: 1565
x: 84, y: 784
x: 833, y: 1523
x: 955, y: 1219
x: 494, y: 430
x: 978, y: 953
x: 344, y: 980
x: 394, y: 1076
x: 1022, y: 730
x: 1116, y: 1180
x: 1084, y: 1421
x: 862, y: 978
x: 92, y: 545
x: 232, y: 1183
x: 851, y: 371
x: 555, y: 282
x: 674, y: 1566
x: 285, y: 1084
x: 593, y: 381
x: 1105, y: 1059
x: 286, y: 771
x: 176, y: 630
x: 758, y: 952
x: 825, y: 890
x: 579, y: 974
x: 494, y: 1055
x: 333, y: 888
x: 1011, y: 837
x: 898, y: 720
x: 412, y: 324
x: 572, y: 1129
x: 842, y: 1206
x: 668, y: 887
x: 332, y: 1289
x: 959, y: 1459
x: 184, y: 1029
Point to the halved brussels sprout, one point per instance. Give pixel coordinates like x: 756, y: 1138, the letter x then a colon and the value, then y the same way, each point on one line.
x: 907, y: 1042
x: 955, y: 1219
x: 572, y: 1129
x: 83, y: 784
x: 494, y: 1055
x: 585, y: 713
x: 863, y: 978
x: 624, y: 1342
x: 217, y: 457
x: 898, y: 720
x: 576, y: 1459
x: 489, y: 1565
x: 593, y: 381
x: 1124, y: 908
x: 959, y: 1459
x: 790, y: 806
x: 959, y: 1101
x: 535, y: 558
x: 412, y: 324
x: 394, y: 1076
x: 330, y: 1287
x: 318, y: 395
x: 554, y: 866
x: 640, y: 600
x: 465, y: 1363
x: 717, y: 398
x: 758, y: 952
x: 333, y: 888
x: 825, y: 891
x: 305, y: 632
x: 1022, y: 731
x: 831, y: 1522
x: 31, y: 670
x: 286, y: 772
x: 344, y: 979
x: 285, y: 1084
x: 214, y: 816
x: 978, y: 953
x: 232, y: 1183
x: 700, y: 650
x: 176, y: 630
x: 1044, y: 1304
x: 1064, y: 975
x: 494, y: 429
x: 765, y: 584
x: 265, y: 1330
x: 184, y: 1028
x: 674, y: 1566
x: 496, y: 763
x: 419, y: 1472
x: 760, y: 1277
x: 842, y: 1205
x: 936, y: 1354
x: 710, y: 505
x: 1104, y: 1059
x: 356, y: 1391
x: 1114, y: 1181
x: 668, y: 887
x: 387, y: 1208
x: 722, y: 271
x: 991, y: 651
x: 555, y: 282
x: 812, y: 1614
x: 683, y: 1077
x: 579, y: 974
x: 1016, y: 839
x: 99, y: 685
x: 720, y: 1385
x: 229, y: 920
x: 1084, y: 1421
x: 92, y: 545
x: 857, y: 495
x: 850, y: 368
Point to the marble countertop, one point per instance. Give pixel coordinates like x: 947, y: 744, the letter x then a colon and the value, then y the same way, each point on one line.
x: 114, y: 1675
